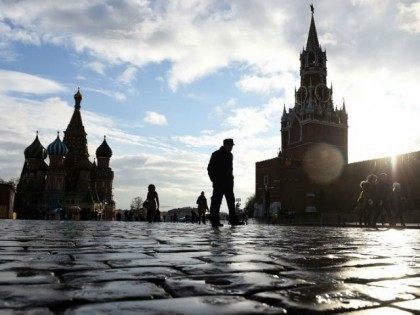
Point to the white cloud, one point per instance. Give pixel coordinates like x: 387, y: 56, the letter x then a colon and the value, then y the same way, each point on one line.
x: 119, y: 96
x: 267, y: 84
x: 13, y: 81
x: 96, y: 66
x: 128, y: 75
x: 154, y: 118
x: 145, y: 32
x: 328, y: 39
x: 409, y: 17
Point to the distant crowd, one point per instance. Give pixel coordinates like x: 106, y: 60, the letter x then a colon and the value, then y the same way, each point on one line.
x: 379, y: 200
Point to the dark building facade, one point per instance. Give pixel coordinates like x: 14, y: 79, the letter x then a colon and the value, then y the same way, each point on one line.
x: 311, y: 172
x: 70, y: 182
x: 7, y: 199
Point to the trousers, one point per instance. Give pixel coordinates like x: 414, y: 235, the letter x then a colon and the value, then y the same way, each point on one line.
x: 220, y: 190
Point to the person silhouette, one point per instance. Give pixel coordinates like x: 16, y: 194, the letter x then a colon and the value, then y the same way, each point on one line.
x: 202, y: 208
x: 220, y: 171
x: 152, y: 203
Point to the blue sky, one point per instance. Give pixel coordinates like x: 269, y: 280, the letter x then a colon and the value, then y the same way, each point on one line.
x: 166, y: 81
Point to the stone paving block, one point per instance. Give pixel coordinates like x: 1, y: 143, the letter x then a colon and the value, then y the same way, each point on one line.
x: 413, y: 305
x: 209, y: 305
x: 243, y: 283
x: 117, y: 290
x: 218, y: 268
x: 140, y: 273
x: 408, y: 285
x: 56, y: 267
x: 330, y: 297
x: 104, y: 256
x: 180, y: 249
x: 27, y: 277
x: 26, y: 311
x: 19, y: 296
x: 378, y: 311
x: 354, y: 274
x: 382, y: 294
x: 230, y: 258
x: 129, y: 263
x: 35, y: 257
x: 181, y: 258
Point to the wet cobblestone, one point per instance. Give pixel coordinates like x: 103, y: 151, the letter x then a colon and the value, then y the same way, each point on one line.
x: 51, y: 267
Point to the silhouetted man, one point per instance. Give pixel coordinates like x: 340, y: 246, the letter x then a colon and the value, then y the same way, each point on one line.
x: 202, y: 208
x: 382, y: 199
x: 220, y: 170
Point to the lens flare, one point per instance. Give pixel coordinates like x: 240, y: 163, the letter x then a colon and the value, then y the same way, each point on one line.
x: 323, y: 163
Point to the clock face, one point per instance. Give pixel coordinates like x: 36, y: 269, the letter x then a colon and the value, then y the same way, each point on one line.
x: 322, y: 93
x: 301, y: 95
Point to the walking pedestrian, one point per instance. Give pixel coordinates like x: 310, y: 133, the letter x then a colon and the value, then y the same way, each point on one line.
x: 152, y: 203
x: 382, y: 199
x: 361, y: 204
x: 202, y: 208
x: 370, y: 197
x: 220, y: 170
x: 398, y: 203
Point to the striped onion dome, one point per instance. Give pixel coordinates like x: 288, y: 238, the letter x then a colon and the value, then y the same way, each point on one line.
x: 104, y: 150
x: 57, y: 147
x: 35, y: 150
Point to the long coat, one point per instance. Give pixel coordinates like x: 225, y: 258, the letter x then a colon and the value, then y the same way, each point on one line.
x: 220, y: 168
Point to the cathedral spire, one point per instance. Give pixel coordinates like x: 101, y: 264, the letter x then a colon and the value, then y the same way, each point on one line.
x: 75, y: 135
x: 312, y: 43
x: 77, y: 99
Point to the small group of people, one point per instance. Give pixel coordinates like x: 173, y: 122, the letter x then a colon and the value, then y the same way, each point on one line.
x: 378, y: 198
x: 220, y: 171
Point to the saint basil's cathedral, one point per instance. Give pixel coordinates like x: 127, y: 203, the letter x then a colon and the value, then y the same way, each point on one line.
x: 71, y: 183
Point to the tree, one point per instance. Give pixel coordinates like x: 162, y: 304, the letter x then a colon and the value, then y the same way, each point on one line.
x: 136, y: 203
x: 14, y: 181
x: 249, y: 206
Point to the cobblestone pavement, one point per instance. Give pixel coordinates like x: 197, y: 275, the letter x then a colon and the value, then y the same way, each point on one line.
x: 51, y: 267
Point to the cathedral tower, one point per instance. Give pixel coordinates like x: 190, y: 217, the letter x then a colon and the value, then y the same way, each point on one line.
x: 104, y: 177
x: 55, y: 182
x: 314, y: 119
x: 30, y: 190
x: 77, y: 164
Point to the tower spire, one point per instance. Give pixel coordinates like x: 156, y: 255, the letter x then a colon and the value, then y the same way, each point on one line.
x: 312, y: 43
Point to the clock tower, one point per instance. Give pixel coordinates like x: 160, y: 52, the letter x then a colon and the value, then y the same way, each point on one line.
x: 314, y: 120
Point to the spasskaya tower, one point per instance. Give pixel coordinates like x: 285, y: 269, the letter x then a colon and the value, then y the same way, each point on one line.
x: 314, y: 119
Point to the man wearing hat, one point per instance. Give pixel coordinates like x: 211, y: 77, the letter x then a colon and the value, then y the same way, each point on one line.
x: 220, y: 170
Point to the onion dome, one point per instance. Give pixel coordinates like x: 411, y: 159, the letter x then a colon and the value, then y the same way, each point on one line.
x: 77, y: 99
x: 57, y: 147
x: 104, y: 150
x: 35, y: 150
